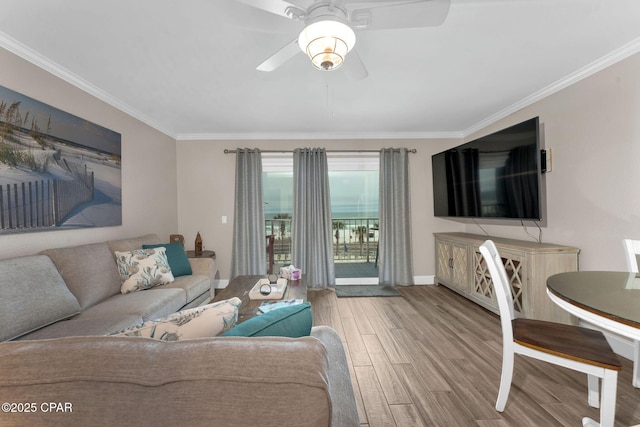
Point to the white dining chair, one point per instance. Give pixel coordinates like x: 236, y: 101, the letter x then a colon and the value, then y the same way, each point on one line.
x: 631, y: 250
x: 581, y: 349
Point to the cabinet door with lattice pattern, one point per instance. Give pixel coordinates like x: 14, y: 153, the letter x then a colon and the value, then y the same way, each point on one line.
x: 483, y: 286
x: 452, y: 265
x: 443, y: 261
x: 460, y: 266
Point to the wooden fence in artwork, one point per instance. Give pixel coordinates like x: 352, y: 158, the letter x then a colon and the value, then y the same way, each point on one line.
x: 43, y: 203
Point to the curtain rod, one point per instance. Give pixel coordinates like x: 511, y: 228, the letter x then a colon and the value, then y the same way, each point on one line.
x: 411, y: 150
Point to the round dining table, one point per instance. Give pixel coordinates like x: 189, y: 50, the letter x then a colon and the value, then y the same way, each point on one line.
x: 609, y: 300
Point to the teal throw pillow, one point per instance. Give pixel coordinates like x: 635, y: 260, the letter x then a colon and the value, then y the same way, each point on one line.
x: 293, y: 322
x: 178, y: 261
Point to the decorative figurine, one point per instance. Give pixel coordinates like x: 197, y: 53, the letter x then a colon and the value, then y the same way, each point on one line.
x: 198, y: 248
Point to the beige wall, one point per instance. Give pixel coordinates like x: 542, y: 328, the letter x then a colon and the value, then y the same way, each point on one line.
x: 593, y: 129
x: 148, y: 163
x: 206, y: 180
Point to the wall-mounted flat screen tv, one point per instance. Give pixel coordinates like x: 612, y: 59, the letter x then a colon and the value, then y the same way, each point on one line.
x: 496, y: 176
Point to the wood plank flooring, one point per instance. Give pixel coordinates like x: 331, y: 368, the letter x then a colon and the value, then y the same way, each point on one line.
x: 433, y: 358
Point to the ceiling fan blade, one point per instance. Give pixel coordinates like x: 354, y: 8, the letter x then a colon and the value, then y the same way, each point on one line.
x: 287, y: 52
x: 342, y: 2
x: 240, y: 15
x: 354, y: 67
x: 278, y: 7
x: 411, y: 14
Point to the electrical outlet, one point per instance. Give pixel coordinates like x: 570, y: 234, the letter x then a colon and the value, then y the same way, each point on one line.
x: 224, y: 219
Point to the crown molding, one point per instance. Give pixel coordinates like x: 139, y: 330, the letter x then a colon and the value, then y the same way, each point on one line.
x: 608, y: 60
x: 319, y: 136
x: 30, y: 55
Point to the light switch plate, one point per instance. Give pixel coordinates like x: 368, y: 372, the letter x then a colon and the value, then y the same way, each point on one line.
x: 549, y: 162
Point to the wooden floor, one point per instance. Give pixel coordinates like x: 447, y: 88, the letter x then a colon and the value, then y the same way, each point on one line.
x: 432, y: 358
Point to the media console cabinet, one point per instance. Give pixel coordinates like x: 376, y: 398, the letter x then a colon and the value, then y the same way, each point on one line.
x: 461, y: 267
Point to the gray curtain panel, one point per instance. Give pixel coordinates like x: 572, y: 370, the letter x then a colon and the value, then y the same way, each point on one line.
x: 249, y: 237
x: 311, y: 230
x: 396, y: 264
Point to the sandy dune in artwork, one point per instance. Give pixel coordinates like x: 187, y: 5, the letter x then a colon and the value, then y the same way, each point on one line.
x: 103, y: 210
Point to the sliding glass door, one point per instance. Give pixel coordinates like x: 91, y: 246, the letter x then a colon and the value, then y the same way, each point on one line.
x: 353, y: 179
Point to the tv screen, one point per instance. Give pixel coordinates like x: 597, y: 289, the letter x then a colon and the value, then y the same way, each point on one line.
x: 496, y: 176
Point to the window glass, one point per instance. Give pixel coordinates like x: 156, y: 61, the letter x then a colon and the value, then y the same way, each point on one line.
x: 353, y: 182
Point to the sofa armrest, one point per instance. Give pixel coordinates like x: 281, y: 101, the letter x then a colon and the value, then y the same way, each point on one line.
x: 345, y: 411
x: 222, y: 381
x: 204, y: 266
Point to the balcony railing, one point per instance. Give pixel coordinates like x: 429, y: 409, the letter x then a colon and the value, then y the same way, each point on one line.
x: 354, y: 239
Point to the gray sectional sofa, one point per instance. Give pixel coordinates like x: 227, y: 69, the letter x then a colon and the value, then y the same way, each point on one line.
x: 58, y: 366
x: 75, y: 291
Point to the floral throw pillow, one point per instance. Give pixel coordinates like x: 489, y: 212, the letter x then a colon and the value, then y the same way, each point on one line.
x: 201, y: 322
x: 143, y: 269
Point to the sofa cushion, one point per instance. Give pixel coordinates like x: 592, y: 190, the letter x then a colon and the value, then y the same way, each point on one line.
x: 200, y: 322
x: 125, y: 245
x: 95, y: 326
x: 88, y: 271
x: 177, y: 257
x: 32, y: 295
x: 194, y: 286
x: 142, y: 269
x: 294, y: 322
x: 150, y: 305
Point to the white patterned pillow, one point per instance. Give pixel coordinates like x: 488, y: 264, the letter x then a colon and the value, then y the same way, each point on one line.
x: 143, y: 269
x: 200, y: 322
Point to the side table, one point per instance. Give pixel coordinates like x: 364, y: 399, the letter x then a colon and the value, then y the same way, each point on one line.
x: 205, y: 254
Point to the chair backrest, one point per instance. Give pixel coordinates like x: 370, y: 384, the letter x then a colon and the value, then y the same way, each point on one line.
x: 632, y: 248
x: 502, y: 288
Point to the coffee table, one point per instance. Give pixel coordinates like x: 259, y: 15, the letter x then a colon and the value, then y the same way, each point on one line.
x: 241, y: 285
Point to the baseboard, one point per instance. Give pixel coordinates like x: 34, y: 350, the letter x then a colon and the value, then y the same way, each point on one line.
x: 424, y: 280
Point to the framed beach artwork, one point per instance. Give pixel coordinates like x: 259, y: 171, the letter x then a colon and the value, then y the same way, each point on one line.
x: 57, y: 171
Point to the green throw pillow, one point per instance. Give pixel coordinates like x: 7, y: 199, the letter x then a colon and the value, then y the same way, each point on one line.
x: 293, y: 322
x: 177, y: 257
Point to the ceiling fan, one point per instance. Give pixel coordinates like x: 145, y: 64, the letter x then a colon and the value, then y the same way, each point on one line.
x: 328, y: 35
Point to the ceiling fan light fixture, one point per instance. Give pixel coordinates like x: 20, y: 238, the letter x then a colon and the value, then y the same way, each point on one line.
x: 327, y: 43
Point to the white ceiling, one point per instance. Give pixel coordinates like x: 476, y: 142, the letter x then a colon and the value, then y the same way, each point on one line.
x: 187, y: 67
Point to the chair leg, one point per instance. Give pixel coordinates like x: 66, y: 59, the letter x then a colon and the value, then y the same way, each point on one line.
x: 608, y: 402
x: 593, y: 391
x: 588, y: 422
x: 635, y: 380
x: 505, y: 380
